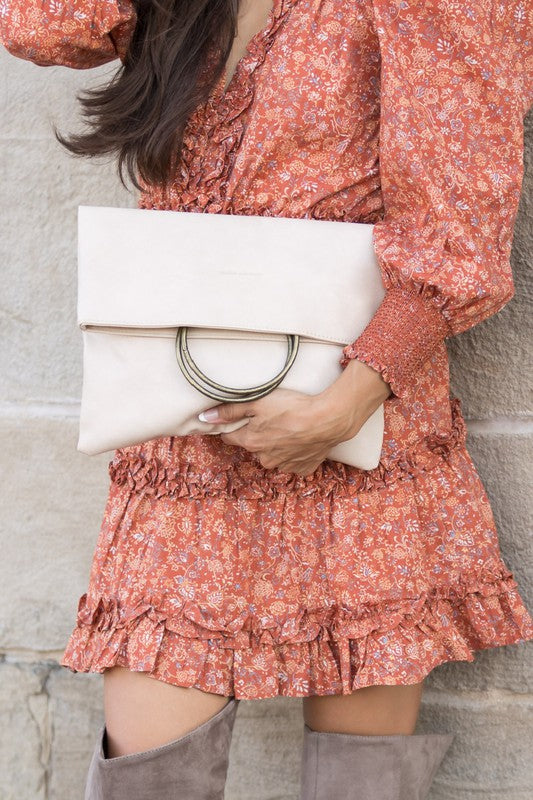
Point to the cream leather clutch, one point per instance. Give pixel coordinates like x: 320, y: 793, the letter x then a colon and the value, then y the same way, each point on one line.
x: 177, y: 308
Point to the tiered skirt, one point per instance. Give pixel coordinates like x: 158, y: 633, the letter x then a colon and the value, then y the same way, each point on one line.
x: 216, y: 573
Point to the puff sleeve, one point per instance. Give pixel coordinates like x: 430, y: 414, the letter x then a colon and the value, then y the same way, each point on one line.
x: 81, y: 34
x: 456, y: 83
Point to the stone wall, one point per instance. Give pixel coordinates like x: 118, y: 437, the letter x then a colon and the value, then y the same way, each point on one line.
x: 53, y: 496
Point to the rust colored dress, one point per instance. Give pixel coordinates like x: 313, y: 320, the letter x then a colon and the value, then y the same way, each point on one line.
x: 215, y: 572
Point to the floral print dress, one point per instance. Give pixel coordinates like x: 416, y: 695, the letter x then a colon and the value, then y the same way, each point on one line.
x: 215, y: 572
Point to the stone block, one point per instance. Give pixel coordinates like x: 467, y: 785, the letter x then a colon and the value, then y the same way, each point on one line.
x: 487, y: 363
x: 76, y: 712
x: 42, y: 187
x: 504, y: 461
x: 53, y: 501
x: 508, y: 668
x: 39, y: 298
x: 491, y: 752
x: 24, y: 732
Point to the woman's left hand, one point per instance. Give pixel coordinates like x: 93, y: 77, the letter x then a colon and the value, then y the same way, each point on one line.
x: 294, y: 431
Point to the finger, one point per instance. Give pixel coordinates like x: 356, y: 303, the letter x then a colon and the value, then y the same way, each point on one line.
x: 297, y: 468
x: 229, y: 438
x: 227, y: 412
x: 236, y: 438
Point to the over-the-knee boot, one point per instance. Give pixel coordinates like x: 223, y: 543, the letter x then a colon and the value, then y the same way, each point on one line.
x: 339, y: 766
x: 192, y: 767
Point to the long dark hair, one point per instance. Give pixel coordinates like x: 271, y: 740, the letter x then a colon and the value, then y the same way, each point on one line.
x: 140, y: 115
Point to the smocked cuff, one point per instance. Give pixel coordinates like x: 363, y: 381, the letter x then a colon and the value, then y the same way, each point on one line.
x: 400, y: 337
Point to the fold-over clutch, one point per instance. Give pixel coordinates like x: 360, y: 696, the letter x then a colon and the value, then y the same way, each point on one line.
x: 180, y: 308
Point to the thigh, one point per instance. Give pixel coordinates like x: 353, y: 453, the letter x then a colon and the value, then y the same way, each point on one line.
x: 142, y: 712
x: 372, y: 711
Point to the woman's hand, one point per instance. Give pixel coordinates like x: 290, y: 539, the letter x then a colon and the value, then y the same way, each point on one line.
x: 295, y: 431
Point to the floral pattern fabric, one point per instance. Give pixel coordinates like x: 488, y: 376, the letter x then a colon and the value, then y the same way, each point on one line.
x: 213, y: 571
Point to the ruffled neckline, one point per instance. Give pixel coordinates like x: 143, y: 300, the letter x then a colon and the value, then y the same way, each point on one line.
x: 255, y: 48
x: 215, y: 129
x: 226, y: 106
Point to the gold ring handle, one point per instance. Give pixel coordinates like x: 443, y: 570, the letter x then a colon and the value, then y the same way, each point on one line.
x: 217, y: 391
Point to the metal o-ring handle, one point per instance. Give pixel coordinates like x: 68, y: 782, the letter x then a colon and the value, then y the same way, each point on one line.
x: 217, y: 391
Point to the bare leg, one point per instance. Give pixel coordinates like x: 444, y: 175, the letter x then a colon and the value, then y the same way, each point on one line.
x: 142, y: 713
x: 372, y: 711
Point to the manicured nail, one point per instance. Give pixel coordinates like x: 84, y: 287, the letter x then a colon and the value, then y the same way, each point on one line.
x: 211, y: 415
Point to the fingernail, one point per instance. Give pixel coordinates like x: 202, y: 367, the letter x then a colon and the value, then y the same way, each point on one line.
x: 211, y: 415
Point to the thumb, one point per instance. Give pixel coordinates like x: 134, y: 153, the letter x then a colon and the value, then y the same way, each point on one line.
x: 226, y: 412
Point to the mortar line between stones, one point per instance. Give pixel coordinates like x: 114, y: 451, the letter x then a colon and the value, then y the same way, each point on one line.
x: 50, y: 732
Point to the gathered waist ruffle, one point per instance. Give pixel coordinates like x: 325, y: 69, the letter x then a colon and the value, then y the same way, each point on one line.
x: 248, y: 479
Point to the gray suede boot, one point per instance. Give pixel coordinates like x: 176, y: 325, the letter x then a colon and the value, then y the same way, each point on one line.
x: 192, y: 767
x: 339, y: 766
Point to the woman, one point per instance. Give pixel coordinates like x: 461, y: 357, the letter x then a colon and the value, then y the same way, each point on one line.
x: 247, y: 565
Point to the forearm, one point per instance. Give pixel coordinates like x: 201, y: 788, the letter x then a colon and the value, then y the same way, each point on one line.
x: 353, y: 397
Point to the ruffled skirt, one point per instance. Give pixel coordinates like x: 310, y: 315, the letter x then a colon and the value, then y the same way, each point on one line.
x: 242, y: 581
